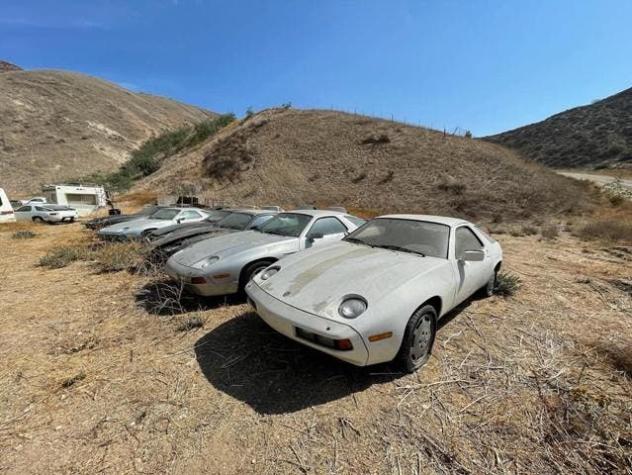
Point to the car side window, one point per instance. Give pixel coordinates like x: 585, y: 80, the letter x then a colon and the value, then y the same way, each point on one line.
x: 39, y: 208
x: 327, y: 226
x: 24, y: 209
x: 190, y: 215
x: 466, y: 240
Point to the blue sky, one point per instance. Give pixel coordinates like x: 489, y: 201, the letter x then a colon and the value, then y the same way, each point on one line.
x: 486, y: 66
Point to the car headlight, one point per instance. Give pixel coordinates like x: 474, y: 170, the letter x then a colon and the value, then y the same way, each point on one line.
x: 352, y: 306
x: 206, y: 262
x: 269, y: 272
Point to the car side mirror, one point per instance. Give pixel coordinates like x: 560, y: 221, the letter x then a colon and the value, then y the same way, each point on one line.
x: 179, y: 221
x: 473, y: 255
x: 314, y: 236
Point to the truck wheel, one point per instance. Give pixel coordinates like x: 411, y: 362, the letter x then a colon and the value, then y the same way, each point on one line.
x: 418, y: 339
x: 250, y: 271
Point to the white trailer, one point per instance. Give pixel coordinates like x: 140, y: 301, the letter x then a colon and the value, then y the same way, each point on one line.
x: 84, y: 198
x: 6, y: 210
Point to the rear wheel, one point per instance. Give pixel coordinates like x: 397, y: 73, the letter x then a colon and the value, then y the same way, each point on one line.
x: 250, y: 271
x: 37, y: 219
x: 418, y: 339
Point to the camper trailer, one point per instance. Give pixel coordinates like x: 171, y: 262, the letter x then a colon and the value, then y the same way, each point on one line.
x: 84, y: 198
x: 6, y: 210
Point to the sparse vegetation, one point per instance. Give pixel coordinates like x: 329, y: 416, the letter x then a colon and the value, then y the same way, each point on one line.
x: 119, y: 256
x: 25, y: 234
x: 62, y: 256
x: 507, y: 284
x: 190, y: 323
x: 147, y: 158
x: 68, y: 382
x: 613, y: 230
x: 550, y: 232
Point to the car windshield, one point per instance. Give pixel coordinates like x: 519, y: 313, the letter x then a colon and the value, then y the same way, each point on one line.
x: 286, y: 224
x: 216, y: 215
x: 165, y: 214
x: 235, y: 221
x: 417, y: 237
x: 147, y: 211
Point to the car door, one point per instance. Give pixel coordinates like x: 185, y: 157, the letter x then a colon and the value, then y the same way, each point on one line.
x: 324, y: 231
x: 472, y: 275
x: 23, y: 213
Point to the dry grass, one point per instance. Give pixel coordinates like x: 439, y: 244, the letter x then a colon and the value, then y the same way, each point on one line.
x: 307, y: 156
x: 98, y: 380
x: 56, y: 121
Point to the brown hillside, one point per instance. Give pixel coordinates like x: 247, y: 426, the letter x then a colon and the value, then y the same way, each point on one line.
x: 292, y: 156
x: 5, y: 66
x: 57, y: 125
x: 596, y: 135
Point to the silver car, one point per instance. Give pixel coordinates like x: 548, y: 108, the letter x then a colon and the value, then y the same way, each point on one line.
x: 164, y: 244
x: 46, y: 213
x: 223, y: 265
x: 141, y: 227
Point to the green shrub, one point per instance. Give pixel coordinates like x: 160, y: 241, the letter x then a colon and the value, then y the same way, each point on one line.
x: 507, y: 284
x: 23, y: 235
x: 147, y: 159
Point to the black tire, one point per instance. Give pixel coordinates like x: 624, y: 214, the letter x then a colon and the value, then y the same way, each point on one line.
x: 489, y: 288
x: 38, y: 219
x: 250, y: 270
x: 418, y: 339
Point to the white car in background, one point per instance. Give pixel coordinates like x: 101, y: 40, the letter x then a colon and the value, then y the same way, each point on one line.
x: 36, y: 200
x: 378, y: 295
x: 141, y: 227
x: 46, y: 213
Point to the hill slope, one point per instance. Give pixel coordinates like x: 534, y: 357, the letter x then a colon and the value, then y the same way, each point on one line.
x: 595, y: 135
x: 290, y: 157
x: 57, y: 125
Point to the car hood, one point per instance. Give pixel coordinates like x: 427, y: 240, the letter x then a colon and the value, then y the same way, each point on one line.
x: 229, y: 245
x: 317, y: 280
x: 137, y: 224
x: 184, y: 232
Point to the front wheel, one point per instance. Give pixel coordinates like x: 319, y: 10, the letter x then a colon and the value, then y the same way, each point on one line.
x: 418, y: 339
x: 490, y: 286
x: 251, y: 270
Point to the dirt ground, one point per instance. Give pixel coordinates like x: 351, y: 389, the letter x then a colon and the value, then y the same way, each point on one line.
x: 95, y: 377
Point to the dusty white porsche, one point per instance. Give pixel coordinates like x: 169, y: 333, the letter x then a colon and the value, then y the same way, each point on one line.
x: 378, y: 295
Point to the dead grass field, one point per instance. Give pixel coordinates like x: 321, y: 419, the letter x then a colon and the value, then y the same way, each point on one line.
x: 97, y: 377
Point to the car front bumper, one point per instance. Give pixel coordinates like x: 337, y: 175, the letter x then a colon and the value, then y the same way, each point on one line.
x: 212, y: 287
x: 289, y: 321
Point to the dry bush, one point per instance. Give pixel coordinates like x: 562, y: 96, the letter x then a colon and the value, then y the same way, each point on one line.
x: 26, y: 234
x: 60, y: 257
x: 550, y: 232
x: 118, y: 256
x: 607, y: 230
x: 190, y: 323
x: 529, y: 230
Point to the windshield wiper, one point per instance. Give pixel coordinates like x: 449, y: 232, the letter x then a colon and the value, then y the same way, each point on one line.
x: 402, y: 249
x: 358, y: 241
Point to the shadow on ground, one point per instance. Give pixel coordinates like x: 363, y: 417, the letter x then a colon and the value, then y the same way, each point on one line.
x: 165, y: 297
x: 249, y: 361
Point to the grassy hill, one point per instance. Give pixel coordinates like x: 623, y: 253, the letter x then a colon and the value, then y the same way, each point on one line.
x: 55, y: 125
x: 289, y: 157
x: 597, y: 135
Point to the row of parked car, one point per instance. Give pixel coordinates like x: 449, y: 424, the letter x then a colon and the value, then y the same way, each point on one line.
x: 365, y: 292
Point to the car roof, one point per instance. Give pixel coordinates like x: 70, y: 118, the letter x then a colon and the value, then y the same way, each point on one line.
x: 316, y: 213
x: 452, y: 222
x: 249, y: 211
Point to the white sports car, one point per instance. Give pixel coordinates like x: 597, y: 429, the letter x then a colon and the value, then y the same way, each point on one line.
x: 378, y: 295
